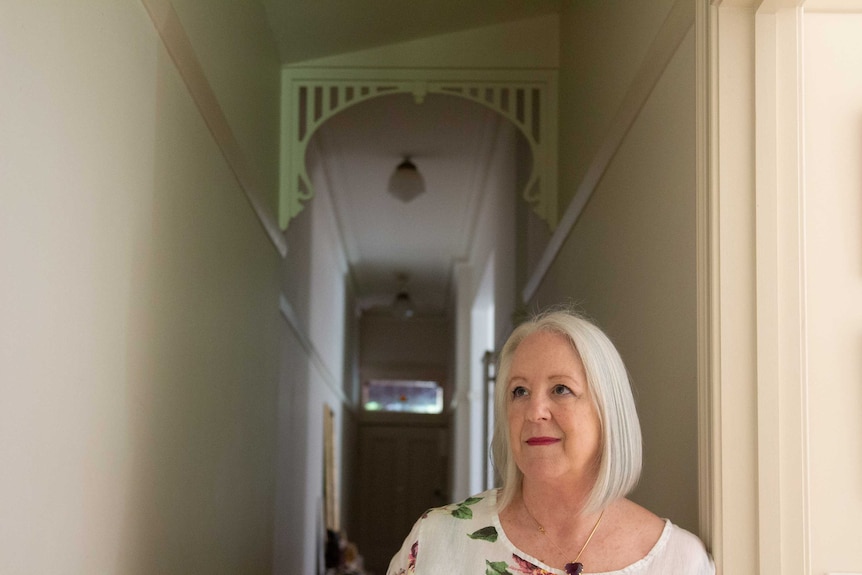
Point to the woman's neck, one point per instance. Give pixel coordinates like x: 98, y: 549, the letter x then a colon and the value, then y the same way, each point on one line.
x: 556, y: 508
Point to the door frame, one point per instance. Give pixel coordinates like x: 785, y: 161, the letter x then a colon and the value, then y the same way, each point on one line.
x: 752, y: 332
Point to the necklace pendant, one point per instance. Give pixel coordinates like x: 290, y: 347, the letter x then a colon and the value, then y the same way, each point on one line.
x: 574, y: 568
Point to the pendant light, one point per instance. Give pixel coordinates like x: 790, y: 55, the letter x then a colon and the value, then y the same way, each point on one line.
x: 406, y: 182
x: 402, y: 305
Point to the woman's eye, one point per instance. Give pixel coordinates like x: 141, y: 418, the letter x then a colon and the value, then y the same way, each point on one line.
x: 519, y: 391
x: 561, y: 390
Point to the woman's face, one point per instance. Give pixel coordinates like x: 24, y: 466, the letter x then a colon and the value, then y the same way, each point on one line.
x: 554, y: 430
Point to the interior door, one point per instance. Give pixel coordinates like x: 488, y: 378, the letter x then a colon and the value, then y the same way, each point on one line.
x: 403, y: 471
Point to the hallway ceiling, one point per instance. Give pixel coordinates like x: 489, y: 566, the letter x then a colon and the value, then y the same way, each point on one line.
x: 449, y: 139
x: 306, y: 29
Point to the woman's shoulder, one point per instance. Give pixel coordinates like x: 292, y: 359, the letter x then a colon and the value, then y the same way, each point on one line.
x: 480, y: 506
x: 682, y: 542
x: 641, y: 526
x: 679, y: 549
x: 464, y: 532
x: 655, y: 545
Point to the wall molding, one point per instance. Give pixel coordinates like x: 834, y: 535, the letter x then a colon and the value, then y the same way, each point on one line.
x: 708, y: 350
x: 731, y: 315
x: 181, y: 51
x: 678, y: 22
x: 332, y: 382
x: 782, y: 378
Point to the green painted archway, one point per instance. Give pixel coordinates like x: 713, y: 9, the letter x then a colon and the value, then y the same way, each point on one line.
x: 311, y: 96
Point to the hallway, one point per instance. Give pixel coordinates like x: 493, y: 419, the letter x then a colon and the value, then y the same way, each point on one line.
x: 180, y: 349
x: 171, y: 334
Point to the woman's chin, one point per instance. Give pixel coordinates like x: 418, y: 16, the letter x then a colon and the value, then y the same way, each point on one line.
x: 545, y: 471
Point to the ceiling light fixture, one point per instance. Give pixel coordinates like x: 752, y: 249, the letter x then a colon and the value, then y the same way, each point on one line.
x: 406, y: 182
x: 402, y: 305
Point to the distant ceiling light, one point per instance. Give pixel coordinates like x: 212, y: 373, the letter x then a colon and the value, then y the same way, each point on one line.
x: 402, y: 305
x: 406, y: 182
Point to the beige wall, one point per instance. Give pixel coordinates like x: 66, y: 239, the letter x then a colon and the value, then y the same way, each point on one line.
x: 833, y: 252
x: 527, y: 43
x: 241, y: 63
x: 602, y: 48
x: 138, y: 310
x: 731, y: 363
x: 629, y: 262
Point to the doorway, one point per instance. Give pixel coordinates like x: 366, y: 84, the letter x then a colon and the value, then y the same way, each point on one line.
x: 403, y: 471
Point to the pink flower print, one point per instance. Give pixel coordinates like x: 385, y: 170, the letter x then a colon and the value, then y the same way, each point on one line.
x: 524, y: 566
x: 411, y: 558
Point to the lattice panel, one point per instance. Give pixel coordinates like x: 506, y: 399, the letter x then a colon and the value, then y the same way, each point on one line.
x: 528, y: 100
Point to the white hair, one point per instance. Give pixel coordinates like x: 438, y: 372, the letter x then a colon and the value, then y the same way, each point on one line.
x: 608, y: 382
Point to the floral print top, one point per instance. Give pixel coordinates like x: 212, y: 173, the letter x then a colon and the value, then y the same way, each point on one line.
x: 466, y: 538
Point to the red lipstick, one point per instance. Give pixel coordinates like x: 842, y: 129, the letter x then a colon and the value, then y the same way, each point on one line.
x: 538, y: 441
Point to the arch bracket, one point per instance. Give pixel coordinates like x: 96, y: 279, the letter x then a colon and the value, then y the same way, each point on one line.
x: 527, y: 98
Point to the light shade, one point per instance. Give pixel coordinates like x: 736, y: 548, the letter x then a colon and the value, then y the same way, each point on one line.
x: 402, y: 307
x: 406, y: 182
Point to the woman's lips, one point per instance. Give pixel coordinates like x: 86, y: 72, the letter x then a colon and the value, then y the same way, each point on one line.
x: 542, y: 440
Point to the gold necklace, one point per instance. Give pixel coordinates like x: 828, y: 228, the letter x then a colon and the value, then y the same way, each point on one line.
x: 572, y: 567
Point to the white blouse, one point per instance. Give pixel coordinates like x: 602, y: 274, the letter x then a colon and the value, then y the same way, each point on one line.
x: 467, y: 538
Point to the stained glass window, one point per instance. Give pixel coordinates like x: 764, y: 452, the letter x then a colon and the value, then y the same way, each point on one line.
x: 402, y: 395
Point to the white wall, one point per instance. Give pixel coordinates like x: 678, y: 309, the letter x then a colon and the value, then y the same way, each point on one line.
x: 481, y: 342
x: 318, y: 306
x: 138, y: 309
x: 494, y: 241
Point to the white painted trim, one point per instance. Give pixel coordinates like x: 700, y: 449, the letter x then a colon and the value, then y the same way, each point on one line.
x: 732, y: 329
x: 181, y: 51
x: 782, y: 390
x: 708, y: 351
x: 674, y: 29
x: 289, y: 314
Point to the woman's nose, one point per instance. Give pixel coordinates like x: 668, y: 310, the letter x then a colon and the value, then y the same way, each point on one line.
x: 538, y: 409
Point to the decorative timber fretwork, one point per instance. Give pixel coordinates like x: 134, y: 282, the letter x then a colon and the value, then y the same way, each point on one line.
x: 527, y: 98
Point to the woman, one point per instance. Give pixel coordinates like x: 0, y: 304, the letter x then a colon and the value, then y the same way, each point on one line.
x: 567, y: 444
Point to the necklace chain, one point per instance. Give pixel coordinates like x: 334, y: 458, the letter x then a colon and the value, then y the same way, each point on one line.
x: 544, y: 532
